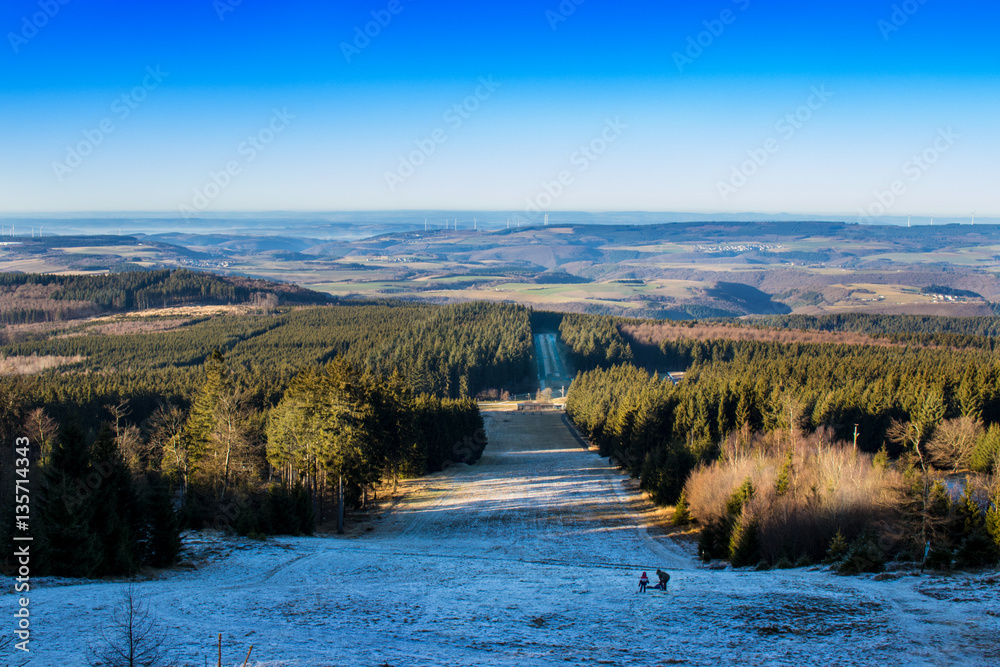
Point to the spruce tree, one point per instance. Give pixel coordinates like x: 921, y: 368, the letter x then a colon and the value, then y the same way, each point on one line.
x: 993, y: 517
x: 784, y: 476
x: 202, y: 418
x: 116, y: 521
x: 162, y: 527
x: 682, y: 512
x: 69, y: 546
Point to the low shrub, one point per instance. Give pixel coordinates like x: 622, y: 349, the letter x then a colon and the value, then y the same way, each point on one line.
x: 864, y: 555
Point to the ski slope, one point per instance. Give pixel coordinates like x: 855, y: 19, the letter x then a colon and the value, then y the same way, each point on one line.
x: 530, y: 557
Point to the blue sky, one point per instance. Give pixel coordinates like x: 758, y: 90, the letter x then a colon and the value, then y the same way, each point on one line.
x: 258, y: 106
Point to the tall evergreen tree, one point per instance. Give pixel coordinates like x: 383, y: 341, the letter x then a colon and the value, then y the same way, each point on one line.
x: 69, y: 545
x: 162, y: 529
x: 117, y: 520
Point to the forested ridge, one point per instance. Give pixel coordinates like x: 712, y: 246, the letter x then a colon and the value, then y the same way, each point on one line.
x: 33, y: 297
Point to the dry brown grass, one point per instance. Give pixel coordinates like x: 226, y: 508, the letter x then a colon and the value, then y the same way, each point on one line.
x: 649, y: 333
x: 124, y: 326
x: 34, y: 364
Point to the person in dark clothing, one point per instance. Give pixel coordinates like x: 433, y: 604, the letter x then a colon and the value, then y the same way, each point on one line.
x: 643, y: 582
x: 664, y: 579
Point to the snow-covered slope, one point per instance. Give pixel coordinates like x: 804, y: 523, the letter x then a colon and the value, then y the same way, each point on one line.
x: 530, y: 557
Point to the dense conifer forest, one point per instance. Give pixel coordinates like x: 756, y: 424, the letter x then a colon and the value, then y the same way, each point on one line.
x: 741, y: 441
x: 789, y: 440
x: 262, y: 421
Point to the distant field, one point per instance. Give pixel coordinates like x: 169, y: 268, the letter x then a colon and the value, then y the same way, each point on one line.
x: 622, y: 295
x: 679, y: 264
x: 964, y: 256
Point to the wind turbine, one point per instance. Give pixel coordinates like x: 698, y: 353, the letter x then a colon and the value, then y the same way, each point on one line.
x: 907, y: 219
x: 973, y: 218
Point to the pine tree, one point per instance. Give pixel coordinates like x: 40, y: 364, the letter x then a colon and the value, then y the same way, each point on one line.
x: 744, y: 544
x: 70, y: 547
x: 986, y: 453
x: 303, y: 511
x: 682, y: 511
x: 838, y: 548
x: 162, y: 526
x: 784, y: 476
x: 740, y: 497
x: 993, y: 517
x: 975, y: 545
x: 201, y: 419
x: 117, y: 521
x: 881, y: 458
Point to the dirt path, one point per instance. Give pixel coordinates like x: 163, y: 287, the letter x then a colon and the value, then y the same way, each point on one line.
x: 531, y: 557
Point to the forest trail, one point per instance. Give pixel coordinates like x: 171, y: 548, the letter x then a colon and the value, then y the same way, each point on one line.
x: 532, y: 557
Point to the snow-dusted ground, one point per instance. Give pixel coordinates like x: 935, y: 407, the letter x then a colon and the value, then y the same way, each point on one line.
x: 530, y: 557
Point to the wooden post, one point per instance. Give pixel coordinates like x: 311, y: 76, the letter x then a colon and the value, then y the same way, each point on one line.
x: 220, y: 649
x: 340, y: 507
x: 248, y: 656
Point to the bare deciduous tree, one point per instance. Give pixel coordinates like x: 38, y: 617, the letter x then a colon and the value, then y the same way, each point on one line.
x: 953, y: 443
x: 41, y: 430
x: 134, y: 638
x: 166, y: 426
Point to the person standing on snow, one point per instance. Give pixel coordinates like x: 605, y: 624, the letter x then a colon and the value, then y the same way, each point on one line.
x: 643, y: 582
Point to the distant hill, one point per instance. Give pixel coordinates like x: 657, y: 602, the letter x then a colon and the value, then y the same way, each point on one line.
x: 30, y: 297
